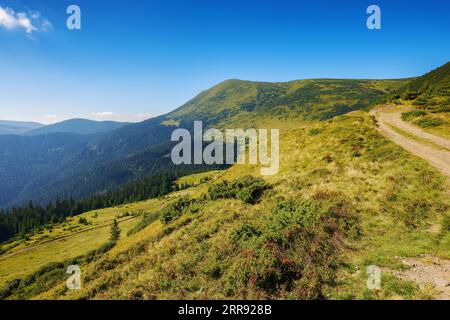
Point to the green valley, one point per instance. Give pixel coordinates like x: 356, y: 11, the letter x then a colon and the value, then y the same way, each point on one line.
x: 345, y: 198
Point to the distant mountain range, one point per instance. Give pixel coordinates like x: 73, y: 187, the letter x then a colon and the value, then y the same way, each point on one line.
x: 56, y: 163
x: 17, y: 127
x: 78, y: 126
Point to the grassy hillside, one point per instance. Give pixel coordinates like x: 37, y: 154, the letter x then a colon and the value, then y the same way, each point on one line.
x: 431, y: 90
x: 320, y: 99
x: 74, y: 237
x: 108, y: 160
x: 345, y: 198
x: 426, y: 101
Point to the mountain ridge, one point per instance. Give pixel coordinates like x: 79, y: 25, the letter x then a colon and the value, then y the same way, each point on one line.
x: 134, y: 151
x: 79, y: 126
x: 109, y: 159
x: 8, y: 127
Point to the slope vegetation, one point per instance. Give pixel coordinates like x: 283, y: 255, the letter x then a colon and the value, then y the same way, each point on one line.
x: 345, y: 198
x: 109, y: 160
x: 425, y: 101
x: 318, y: 99
x: 434, y: 149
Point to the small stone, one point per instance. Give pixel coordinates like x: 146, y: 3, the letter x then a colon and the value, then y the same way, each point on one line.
x: 439, y: 282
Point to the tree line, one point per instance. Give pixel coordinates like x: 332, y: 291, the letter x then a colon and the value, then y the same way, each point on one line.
x: 20, y: 221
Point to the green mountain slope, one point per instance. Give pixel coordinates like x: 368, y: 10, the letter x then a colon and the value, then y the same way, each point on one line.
x: 425, y: 101
x: 318, y: 99
x: 431, y: 90
x: 79, y: 126
x: 344, y: 198
x: 111, y: 159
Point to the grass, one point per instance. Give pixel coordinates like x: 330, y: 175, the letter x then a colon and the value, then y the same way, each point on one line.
x: 428, y: 95
x: 432, y: 119
x: 196, y: 179
x: 236, y: 101
x: 325, y: 205
x: 344, y: 198
x: 407, y: 116
x: 416, y: 138
x: 429, y: 122
x: 79, y: 238
x: 391, y: 197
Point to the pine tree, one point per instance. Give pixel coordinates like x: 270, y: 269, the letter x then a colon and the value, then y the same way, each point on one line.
x: 115, y: 231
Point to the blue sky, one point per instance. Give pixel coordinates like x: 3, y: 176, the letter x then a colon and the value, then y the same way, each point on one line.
x: 133, y: 59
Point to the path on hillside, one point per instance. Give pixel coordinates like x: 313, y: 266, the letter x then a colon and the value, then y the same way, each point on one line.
x: 3, y: 257
x: 427, y: 271
x: 436, y: 151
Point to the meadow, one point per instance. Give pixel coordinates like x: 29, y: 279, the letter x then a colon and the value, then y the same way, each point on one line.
x: 345, y: 198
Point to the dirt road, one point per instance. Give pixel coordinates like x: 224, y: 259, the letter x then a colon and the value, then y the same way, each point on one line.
x: 434, y: 149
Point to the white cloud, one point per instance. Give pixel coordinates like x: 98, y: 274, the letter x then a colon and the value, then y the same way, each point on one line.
x: 50, y: 118
x: 46, y: 25
x: 108, y: 115
x: 104, y: 115
x: 29, y: 22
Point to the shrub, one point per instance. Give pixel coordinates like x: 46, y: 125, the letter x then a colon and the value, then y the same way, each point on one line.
x: 356, y: 154
x: 316, y: 131
x: 296, y: 251
x: 222, y: 190
x: 175, y: 210
x: 247, y: 189
x: 136, y: 294
x: 410, y: 95
x: 446, y: 224
x: 244, y: 233
x: 429, y: 122
x: 406, y: 116
x: 442, y: 109
x: 291, y: 213
x: 420, y: 102
x: 83, y: 221
x: 414, y: 212
x: 213, y: 270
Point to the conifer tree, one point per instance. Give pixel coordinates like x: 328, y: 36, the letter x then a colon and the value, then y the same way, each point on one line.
x: 115, y: 231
